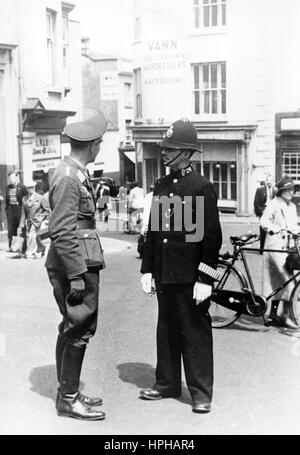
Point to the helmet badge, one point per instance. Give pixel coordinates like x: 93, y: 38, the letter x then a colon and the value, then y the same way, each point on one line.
x: 170, y: 132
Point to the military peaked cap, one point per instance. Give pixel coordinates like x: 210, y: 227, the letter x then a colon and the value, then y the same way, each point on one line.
x: 87, y: 130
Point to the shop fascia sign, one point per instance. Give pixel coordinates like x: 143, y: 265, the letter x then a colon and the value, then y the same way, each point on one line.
x: 108, y: 85
x: 164, y: 62
x: 290, y: 124
x: 46, y: 152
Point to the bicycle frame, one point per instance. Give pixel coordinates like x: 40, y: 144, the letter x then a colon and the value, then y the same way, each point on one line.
x: 239, y: 251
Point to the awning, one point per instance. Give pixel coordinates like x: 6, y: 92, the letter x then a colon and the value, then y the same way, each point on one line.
x: 131, y: 156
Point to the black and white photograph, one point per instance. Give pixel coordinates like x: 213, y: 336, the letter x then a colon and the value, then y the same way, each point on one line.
x: 149, y: 220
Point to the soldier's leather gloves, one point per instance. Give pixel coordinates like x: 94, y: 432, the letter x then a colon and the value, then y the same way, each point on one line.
x: 77, y: 288
x: 201, y: 292
x: 146, y: 281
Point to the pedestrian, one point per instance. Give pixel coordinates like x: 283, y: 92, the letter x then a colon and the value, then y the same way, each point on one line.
x: 263, y: 195
x: 34, y: 211
x: 13, y: 205
x: 1, y: 219
x: 183, y: 272
x: 279, y: 216
x: 103, y: 195
x: 135, y: 206
x: 73, y: 264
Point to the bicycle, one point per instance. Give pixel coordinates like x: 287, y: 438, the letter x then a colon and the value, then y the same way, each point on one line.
x: 234, y: 293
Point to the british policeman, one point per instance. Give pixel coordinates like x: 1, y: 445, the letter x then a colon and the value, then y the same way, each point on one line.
x: 74, y: 261
x: 182, y: 264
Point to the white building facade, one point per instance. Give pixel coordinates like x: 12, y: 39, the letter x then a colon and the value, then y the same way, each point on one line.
x: 108, y: 86
x: 40, y: 84
x: 233, y: 68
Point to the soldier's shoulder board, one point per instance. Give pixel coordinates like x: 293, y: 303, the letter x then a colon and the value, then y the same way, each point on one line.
x: 80, y: 175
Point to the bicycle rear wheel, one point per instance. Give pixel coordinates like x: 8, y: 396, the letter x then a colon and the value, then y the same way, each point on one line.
x: 231, y: 279
x: 295, y: 304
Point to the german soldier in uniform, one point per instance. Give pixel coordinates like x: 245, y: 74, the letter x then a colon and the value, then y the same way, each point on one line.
x: 73, y: 264
x: 183, y: 270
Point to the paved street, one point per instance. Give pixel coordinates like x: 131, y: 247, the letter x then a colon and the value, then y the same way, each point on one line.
x: 257, y: 369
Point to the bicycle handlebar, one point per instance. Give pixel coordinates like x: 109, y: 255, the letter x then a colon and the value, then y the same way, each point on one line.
x: 295, y: 236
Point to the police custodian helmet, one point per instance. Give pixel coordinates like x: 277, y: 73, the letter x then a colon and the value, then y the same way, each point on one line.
x: 182, y: 134
x: 88, y: 130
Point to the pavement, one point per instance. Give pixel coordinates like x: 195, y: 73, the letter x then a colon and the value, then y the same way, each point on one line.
x: 257, y: 369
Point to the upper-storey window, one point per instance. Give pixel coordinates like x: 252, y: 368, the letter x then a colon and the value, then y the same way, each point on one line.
x: 209, y: 80
x: 127, y: 94
x: 209, y: 13
x: 137, y: 77
x: 51, y: 35
x: 65, y: 43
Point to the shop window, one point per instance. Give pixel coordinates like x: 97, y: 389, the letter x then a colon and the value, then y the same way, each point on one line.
x: 291, y: 165
x: 51, y: 45
x: 209, y: 13
x: 223, y: 177
x: 137, y: 74
x: 65, y: 41
x: 209, y: 80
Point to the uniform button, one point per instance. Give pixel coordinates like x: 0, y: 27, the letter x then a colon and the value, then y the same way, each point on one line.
x: 165, y: 240
x: 167, y: 225
x: 171, y: 194
x: 86, y: 235
x: 175, y: 181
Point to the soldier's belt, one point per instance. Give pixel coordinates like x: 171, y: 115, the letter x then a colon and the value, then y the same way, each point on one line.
x: 86, y: 224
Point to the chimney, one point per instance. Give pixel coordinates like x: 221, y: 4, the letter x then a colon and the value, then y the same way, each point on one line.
x: 85, y: 45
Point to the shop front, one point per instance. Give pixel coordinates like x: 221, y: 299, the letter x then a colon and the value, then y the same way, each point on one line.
x: 41, y: 142
x: 288, y: 149
x: 224, y: 161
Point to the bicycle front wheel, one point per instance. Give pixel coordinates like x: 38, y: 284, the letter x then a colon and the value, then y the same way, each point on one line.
x: 233, y: 280
x: 295, y: 304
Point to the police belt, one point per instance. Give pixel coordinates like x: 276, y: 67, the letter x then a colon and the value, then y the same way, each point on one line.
x: 86, y: 224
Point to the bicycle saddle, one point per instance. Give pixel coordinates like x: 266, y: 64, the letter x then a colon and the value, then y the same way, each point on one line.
x: 242, y: 239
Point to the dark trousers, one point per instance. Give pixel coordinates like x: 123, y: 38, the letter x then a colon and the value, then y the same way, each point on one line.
x: 183, y: 330
x: 262, y: 234
x: 13, y: 213
x: 79, y: 321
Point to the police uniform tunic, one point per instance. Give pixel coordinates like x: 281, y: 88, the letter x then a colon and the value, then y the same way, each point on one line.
x: 184, y: 328
x: 75, y: 249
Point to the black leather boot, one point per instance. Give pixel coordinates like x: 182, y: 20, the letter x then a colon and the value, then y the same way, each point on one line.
x: 69, y: 405
x: 69, y: 401
x: 60, y: 346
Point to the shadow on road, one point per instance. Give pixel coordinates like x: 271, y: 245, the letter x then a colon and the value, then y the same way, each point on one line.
x: 44, y: 382
x: 143, y: 376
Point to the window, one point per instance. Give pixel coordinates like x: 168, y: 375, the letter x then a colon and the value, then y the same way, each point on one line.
x: 51, y: 26
x: 223, y: 176
x: 128, y: 131
x: 65, y: 43
x: 209, y: 13
x: 291, y: 164
x: 1, y: 82
x: 209, y: 88
x: 137, y: 29
x: 127, y: 94
x: 137, y: 73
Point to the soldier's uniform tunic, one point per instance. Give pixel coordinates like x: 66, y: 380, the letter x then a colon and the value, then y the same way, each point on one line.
x: 184, y: 328
x: 75, y: 249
